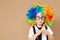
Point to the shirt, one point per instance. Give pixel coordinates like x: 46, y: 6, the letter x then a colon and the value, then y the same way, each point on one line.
x: 31, y: 32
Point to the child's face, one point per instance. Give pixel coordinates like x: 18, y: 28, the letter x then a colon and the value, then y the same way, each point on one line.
x: 39, y: 19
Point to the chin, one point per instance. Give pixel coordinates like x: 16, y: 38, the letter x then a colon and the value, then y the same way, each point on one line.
x: 40, y: 23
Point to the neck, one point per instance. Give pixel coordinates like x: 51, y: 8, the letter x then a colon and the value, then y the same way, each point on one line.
x: 39, y: 25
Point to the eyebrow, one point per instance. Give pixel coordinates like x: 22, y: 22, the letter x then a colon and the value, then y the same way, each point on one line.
x: 41, y: 16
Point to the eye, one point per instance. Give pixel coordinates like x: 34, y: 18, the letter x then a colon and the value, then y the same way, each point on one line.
x: 37, y: 17
x: 42, y: 17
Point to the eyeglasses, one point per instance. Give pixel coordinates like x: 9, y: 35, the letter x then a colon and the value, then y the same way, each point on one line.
x: 38, y: 17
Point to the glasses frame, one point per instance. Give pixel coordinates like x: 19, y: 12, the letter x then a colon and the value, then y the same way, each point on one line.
x: 38, y: 17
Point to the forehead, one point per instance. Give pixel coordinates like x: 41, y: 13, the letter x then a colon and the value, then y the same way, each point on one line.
x: 40, y: 14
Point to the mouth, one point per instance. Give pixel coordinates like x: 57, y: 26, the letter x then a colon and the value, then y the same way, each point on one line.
x: 40, y: 22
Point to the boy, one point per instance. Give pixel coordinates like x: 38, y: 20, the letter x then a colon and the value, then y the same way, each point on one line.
x: 39, y: 18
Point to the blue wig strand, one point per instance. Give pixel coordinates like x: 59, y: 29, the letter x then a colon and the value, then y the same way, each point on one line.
x: 33, y: 11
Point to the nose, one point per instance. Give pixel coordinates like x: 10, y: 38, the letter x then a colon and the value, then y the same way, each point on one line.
x: 40, y: 19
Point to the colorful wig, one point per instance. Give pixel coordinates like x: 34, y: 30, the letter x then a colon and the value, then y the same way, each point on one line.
x: 44, y: 9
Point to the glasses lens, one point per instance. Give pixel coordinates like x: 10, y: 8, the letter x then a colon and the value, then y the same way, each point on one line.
x: 38, y: 18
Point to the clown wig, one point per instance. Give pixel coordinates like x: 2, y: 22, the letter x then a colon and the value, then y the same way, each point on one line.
x: 44, y: 9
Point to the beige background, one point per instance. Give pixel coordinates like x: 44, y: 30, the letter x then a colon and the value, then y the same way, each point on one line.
x: 12, y: 18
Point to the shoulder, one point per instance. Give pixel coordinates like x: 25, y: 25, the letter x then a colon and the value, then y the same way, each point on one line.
x: 30, y: 29
x: 30, y: 34
x: 50, y: 30
x: 48, y: 27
